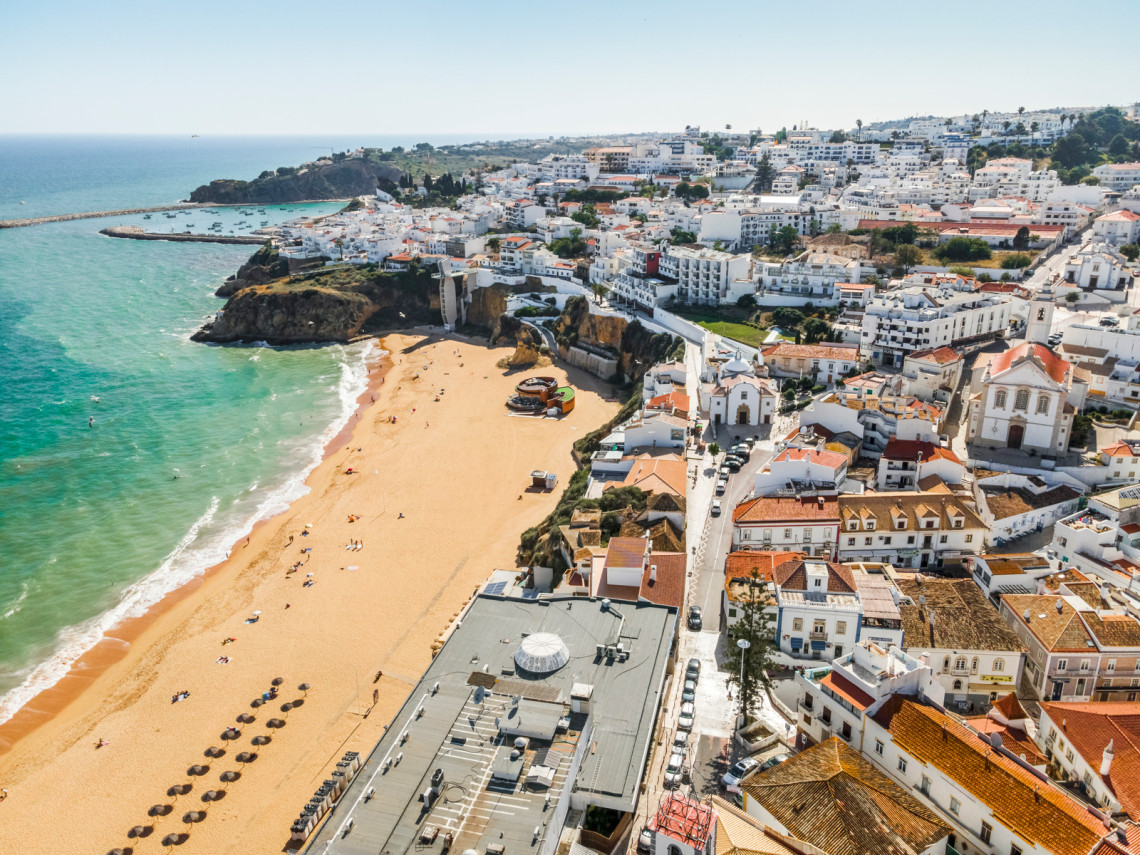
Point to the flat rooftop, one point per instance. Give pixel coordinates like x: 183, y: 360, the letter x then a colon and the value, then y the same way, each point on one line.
x: 483, y: 702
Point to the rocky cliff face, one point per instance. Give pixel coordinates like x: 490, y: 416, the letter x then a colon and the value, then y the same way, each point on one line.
x: 336, y: 305
x: 264, y: 266
x: 634, y: 346
x: 327, y: 181
x: 487, y: 305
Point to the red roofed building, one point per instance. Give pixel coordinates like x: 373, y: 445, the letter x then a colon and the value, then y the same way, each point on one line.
x: 631, y: 571
x: 792, y: 524
x: 682, y: 824
x: 1029, y: 398
x: 932, y: 374
x: 905, y: 462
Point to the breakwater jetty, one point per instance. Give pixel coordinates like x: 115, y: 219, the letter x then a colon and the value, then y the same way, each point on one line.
x: 136, y: 233
x: 91, y: 215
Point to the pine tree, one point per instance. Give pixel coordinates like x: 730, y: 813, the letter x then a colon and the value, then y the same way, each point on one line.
x: 754, y: 626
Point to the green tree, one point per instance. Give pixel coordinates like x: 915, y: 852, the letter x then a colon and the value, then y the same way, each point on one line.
x: 787, y: 318
x: 1130, y: 251
x: 963, y: 249
x: 754, y: 626
x: 765, y: 174
x: 587, y: 215
x: 600, y: 290
x: 714, y: 449
x: 681, y: 236
x: 907, y: 256
x: 1016, y: 261
x: 1021, y: 239
x: 785, y: 239
x: 493, y: 244
x: 816, y: 329
x: 1071, y: 150
x: 746, y: 301
x: 859, y: 125
x: 838, y: 137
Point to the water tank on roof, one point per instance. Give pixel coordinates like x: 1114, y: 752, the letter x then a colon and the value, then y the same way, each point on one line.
x: 542, y: 653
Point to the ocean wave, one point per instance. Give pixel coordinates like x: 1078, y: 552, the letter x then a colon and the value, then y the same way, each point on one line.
x: 15, y: 606
x: 206, y: 543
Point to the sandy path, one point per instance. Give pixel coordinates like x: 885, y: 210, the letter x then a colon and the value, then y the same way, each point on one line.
x: 454, y: 468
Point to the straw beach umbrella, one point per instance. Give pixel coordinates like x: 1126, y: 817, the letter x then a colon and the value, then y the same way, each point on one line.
x: 304, y: 687
x: 275, y: 722
x: 193, y: 816
x: 246, y: 718
x: 231, y: 733
x: 175, y: 839
x: 257, y: 702
x: 159, y: 810
x: 277, y: 681
x: 213, y: 795
x: 228, y: 777
x: 197, y: 770
x: 214, y: 751
x: 140, y: 831
x: 246, y: 757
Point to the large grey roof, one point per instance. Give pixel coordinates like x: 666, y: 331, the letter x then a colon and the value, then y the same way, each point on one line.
x: 462, y: 737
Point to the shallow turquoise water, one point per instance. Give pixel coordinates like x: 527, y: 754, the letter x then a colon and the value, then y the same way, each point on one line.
x: 189, y: 444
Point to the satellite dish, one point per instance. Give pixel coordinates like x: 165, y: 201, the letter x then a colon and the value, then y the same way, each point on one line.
x: 480, y: 694
x: 515, y: 700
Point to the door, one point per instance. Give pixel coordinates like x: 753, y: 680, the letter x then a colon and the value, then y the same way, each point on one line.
x: 1016, y: 435
x: 744, y: 415
x: 1058, y: 686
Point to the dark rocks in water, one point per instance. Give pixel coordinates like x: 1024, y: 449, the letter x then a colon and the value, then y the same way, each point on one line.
x: 352, y: 177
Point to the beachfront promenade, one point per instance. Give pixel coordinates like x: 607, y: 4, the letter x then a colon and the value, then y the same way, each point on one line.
x: 91, y: 215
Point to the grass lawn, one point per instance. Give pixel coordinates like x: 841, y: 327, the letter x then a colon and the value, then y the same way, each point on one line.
x: 992, y: 263
x: 714, y: 322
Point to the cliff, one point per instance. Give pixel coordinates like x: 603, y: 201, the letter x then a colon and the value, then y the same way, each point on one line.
x: 353, y: 177
x: 633, y: 346
x: 324, y: 306
x: 264, y: 266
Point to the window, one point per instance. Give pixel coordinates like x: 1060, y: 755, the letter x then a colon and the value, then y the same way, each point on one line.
x: 870, y: 525
x: 942, y: 539
x: 1084, y: 664
x: 924, y: 786
x: 960, y: 663
x: 999, y: 398
x: 900, y: 524
x: 841, y: 627
x: 955, y: 806
x: 986, y: 831
x: 910, y: 539
x: 850, y: 541
x: 879, y: 747
x: 969, y: 538
x: 867, y: 541
x: 819, y: 626
x: 974, y: 665
x: 1042, y: 405
x: 1111, y: 665
x: 1062, y: 664
x: 902, y: 764
x: 797, y: 624
x: 1021, y: 400
x: 957, y: 685
x: 999, y: 665
x: 826, y: 717
x: 787, y: 534
x: 1014, y: 849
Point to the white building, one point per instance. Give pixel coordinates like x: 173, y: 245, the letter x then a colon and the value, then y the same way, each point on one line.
x: 1008, y: 573
x: 707, y: 276
x: 902, y: 321
x: 839, y: 698
x: 1118, y: 176
x: 905, y: 463
x: 932, y: 375
x: 1014, y: 505
x: 793, y: 524
x: 905, y: 529
x: 1097, y: 265
x: 736, y: 396
x: 802, y: 470
x: 1117, y: 228
x: 809, y: 277
x: 1028, y: 400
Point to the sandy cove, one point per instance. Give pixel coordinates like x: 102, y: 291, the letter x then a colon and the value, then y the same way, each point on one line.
x: 454, y: 468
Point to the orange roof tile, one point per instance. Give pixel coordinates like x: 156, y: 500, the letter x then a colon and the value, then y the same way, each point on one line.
x: 1090, y: 727
x: 789, y: 509
x: 1054, y: 365
x: 1031, y: 807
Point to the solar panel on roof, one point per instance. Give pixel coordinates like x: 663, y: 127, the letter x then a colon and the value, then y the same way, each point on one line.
x: 495, y: 588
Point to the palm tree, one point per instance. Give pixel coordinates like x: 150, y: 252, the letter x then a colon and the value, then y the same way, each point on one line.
x: 859, y: 125
x: 1020, y: 112
x: 600, y: 290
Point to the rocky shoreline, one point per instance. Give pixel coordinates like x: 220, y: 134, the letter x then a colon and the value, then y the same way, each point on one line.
x: 137, y: 233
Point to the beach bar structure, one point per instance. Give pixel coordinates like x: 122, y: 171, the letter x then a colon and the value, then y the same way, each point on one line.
x: 542, y: 395
x: 543, y: 480
x: 530, y: 709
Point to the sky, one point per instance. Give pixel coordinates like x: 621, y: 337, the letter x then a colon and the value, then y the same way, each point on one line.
x: 509, y: 68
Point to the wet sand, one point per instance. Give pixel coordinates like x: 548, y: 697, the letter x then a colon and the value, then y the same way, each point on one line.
x: 454, y: 469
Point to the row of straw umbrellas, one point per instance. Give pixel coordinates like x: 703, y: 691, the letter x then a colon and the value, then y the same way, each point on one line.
x: 199, y: 770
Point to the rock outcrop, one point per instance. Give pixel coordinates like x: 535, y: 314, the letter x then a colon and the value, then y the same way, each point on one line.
x: 633, y: 346
x: 527, y: 340
x: 323, y: 306
x: 353, y: 177
x: 263, y: 266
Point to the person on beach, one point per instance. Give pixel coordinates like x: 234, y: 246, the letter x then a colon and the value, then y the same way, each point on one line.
x: 290, y: 543
x: 3, y: 793
x: 101, y: 743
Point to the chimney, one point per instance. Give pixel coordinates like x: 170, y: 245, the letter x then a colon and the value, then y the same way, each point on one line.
x: 820, y: 501
x: 652, y: 574
x: 1106, y: 759
x: 1059, y: 605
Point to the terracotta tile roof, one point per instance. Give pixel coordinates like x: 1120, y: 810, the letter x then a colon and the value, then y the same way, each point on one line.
x: 847, y: 690
x: 787, y: 509
x: 1056, y: 630
x: 1014, y: 564
x: 941, y: 355
x: 625, y: 552
x: 1010, y: 708
x: 1120, y: 449
x: 793, y: 576
x: 963, y: 618
x: 886, y: 507
x: 909, y: 449
x: 656, y: 475
x: 1005, y: 502
x: 676, y: 401
x: 1013, y: 738
x: 669, y: 588
x: 684, y: 819
x: 1090, y: 727
x: 832, y: 459
x: 660, y: 532
x: 833, y: 799
x: 1054, y: 365
x: 1087, y: 591
x: 740, y: 564
x: 1032, y: 808
x: 737, y: 833
x: 1112, y: 630
x: 812, y: 351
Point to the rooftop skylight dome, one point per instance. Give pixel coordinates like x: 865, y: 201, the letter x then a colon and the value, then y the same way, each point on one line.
x: 542, y: 653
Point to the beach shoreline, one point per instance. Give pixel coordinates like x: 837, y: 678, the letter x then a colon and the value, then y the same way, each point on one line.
x: 115, y: 644
x: 122, y: 689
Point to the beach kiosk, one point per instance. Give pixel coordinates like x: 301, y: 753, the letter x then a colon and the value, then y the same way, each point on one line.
x: 543, y: 480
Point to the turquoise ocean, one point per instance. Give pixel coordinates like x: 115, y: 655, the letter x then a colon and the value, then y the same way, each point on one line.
x: 107, y: 505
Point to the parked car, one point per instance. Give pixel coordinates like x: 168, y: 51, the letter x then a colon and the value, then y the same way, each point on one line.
x: 750, y: 441
x: 721, y: 486
x: 689, y: 692
x: 740, y: 770
x: 1109, y: 322
x: 774, y: 761
x: 716, y: 507
x: 695, y: 619
x: 724, y: 471
x: 693, y: 672
x: 680, y: 742
x: 733, y: 464
x: 674, y: 770
x: 645, y: 841
x: 685, y: 719
x: 742, y: 451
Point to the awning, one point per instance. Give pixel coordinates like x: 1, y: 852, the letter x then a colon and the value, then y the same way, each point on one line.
x: 819, y: 645
x: 797, y: 643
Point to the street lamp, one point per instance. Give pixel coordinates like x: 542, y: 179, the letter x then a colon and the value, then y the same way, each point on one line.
x: 743, y: 644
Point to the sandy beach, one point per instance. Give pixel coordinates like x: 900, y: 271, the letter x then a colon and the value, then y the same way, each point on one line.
x: 437, y: 499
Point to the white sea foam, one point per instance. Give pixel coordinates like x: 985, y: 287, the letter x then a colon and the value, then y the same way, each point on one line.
x: 205, y: 544
x: 14, y: 607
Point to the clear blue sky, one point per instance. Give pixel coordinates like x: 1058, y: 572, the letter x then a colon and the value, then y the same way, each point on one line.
x: 506, y: 67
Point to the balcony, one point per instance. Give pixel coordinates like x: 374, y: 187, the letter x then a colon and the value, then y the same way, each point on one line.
x: 818, y: 635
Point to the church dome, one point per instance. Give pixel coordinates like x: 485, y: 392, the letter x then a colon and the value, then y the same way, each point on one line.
x: 735, y: 367
x: 542, y: 653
